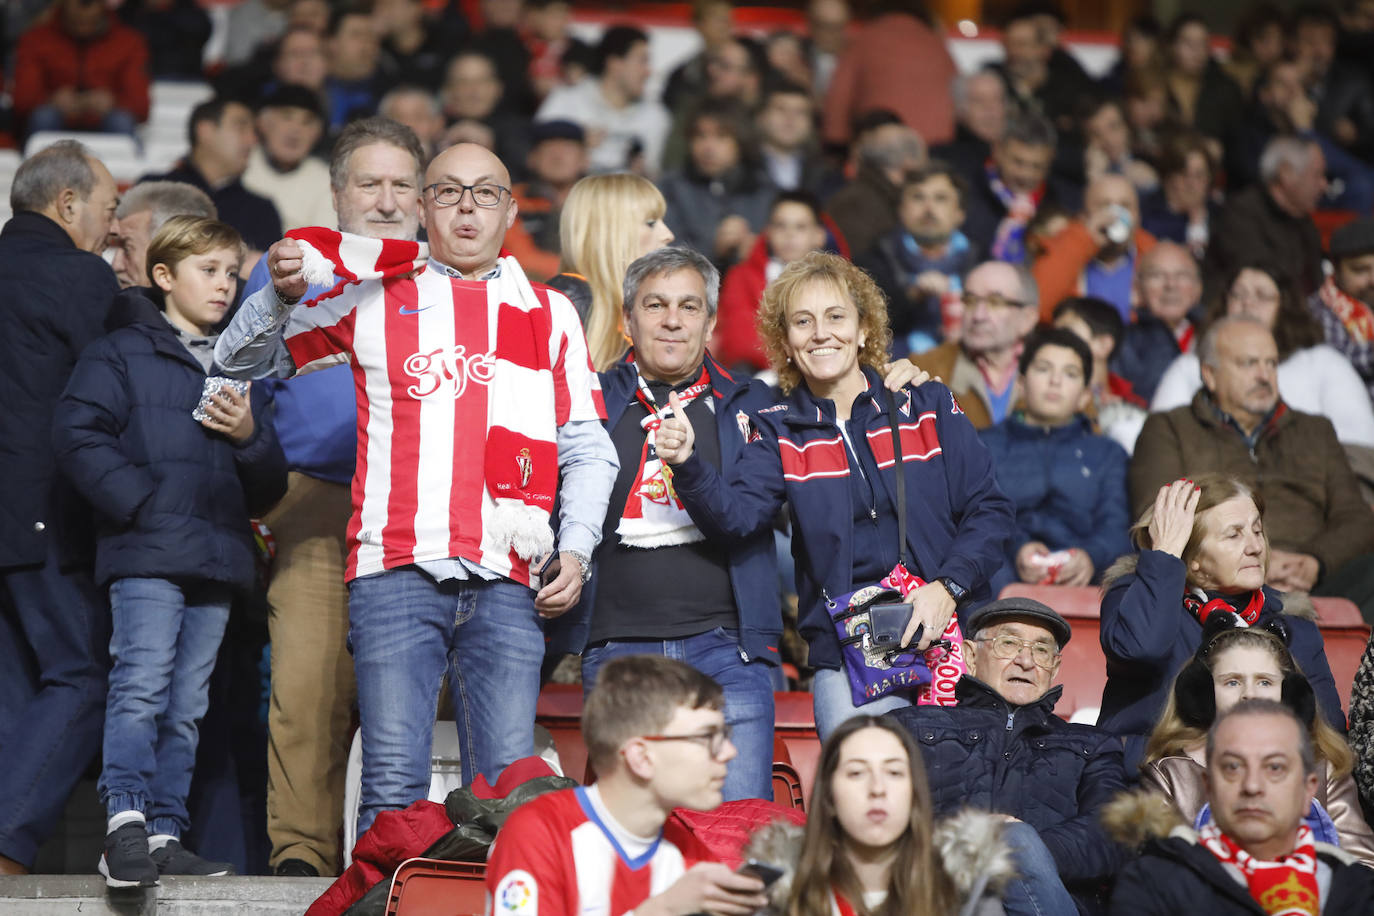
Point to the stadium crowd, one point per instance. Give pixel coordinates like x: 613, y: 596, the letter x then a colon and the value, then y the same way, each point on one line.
x: 456, y: 357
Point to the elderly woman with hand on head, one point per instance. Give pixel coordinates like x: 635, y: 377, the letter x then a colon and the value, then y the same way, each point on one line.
x: 1203, y: 549
x: 828, y: 451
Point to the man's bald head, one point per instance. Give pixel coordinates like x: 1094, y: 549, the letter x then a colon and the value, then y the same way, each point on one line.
x: 463, y: 234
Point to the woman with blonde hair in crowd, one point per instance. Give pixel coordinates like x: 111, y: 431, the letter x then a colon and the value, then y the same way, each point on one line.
x: 608, y: 221
x: 1237, y: 663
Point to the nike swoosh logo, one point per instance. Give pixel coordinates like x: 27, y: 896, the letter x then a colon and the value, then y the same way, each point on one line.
x: 405, y: 311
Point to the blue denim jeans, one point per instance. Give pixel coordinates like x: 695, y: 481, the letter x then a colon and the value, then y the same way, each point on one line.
x: 115, y: 121
x: 833, y: 701
x: 748, y: 698
x: 1038, y: 891
x: 54, y: 635
x: 406, y: 631
x: 164, y: 644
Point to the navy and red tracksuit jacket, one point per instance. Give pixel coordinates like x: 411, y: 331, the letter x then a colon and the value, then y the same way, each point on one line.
x: 957, y: 518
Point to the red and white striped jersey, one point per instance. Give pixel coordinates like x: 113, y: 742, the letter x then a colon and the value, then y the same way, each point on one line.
x: 554, y: 857
x: 423, y: 356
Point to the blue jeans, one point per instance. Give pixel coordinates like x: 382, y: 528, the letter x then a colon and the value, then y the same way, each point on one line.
x: 115, y: 121
x: 406, y: 631
x: 54, y: 635
x: 1038, y: 891
x: 833, y: 702
x: 748, y: 698
x: 165, y: 641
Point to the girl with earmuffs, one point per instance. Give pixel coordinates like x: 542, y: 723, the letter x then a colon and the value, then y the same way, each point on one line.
x: 1233, y: 663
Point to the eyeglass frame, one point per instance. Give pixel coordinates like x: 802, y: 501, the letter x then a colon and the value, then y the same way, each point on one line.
x: 722, y: 734
x: 1023, y: 644
x: 971, y: 300
x: 466, y: 189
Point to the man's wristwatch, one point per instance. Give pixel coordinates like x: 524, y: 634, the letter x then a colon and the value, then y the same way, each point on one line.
x: 956, y: 591
x: 585, y: 561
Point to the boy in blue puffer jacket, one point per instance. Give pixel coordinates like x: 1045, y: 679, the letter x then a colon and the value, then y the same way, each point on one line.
x: 173, y: 497
x: 1068, y: 484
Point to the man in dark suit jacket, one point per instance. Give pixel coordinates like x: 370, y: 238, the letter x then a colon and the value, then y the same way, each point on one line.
x: 54, y: 628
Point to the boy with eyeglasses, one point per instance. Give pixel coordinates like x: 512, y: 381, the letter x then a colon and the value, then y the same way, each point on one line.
x: 1003, y: 749
x: 656, y: 735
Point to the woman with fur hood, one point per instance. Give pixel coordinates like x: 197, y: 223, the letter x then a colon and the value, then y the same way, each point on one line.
x: 1236, y: 663
x: 871, y: 847
x: 1203, y: 550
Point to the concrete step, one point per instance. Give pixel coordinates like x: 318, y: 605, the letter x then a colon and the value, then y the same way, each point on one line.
x: 51, y: 895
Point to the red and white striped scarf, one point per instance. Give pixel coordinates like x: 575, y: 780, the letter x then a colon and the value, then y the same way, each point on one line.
x: 521, y: 452
x: 1287, y: 887
x: 654, y: 515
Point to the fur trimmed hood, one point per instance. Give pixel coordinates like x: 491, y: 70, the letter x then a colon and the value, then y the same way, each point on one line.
x: 1298, y: 604
x: 975, y: 856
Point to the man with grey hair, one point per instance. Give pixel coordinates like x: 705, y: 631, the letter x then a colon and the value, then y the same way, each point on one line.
x: 1001, y: 305
x: 866, y: 209
x: 1271, y: 222
x: 1257, y: 855
x: 142, y: 211
x: 1009, y: 184
x: 980, y: 120
x: 723, y: 616
x: 54, y: 625
x: 375, y: 178
x: 1320, y: 530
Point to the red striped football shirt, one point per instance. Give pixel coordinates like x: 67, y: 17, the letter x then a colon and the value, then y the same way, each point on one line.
x: 423, y: 354
x: 554, y: 857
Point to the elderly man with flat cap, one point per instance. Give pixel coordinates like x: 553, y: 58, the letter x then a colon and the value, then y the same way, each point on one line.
x: 1004, y: 750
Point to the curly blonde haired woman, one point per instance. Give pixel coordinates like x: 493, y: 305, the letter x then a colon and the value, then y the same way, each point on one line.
x: 608, y: 221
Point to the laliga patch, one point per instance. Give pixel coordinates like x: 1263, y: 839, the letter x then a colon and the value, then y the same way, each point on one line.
x: 517, y: 894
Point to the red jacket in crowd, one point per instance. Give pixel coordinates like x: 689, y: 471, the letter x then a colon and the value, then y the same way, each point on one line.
x: 47, y: 59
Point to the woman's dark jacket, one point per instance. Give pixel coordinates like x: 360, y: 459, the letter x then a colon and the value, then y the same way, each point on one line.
x: 172, y: 498
x: 1147, y: 635
x: 957, y: 518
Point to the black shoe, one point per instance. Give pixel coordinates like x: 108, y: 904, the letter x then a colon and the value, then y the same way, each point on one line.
x: 126, y: 862
x: 174, y: 859
x: 296, y: 868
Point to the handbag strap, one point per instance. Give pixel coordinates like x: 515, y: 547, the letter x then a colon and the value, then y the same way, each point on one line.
x: 900, y: 470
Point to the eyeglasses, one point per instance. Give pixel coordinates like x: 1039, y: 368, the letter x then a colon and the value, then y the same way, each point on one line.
x: 993, y: 301
x: 714, y: 740
x: 483, y: 195
x: 1008, y: 647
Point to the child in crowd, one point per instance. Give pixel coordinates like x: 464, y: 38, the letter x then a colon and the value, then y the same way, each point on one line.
x: 1068, y: 484
x: 173, y: 497
x: 1113, y: 404
x: 794, y: 230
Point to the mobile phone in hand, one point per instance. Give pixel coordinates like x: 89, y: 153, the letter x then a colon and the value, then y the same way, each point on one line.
x: 550, y: 569
x: 766, y: 873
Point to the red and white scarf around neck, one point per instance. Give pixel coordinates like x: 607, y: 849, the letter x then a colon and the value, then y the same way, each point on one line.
x: 1287, y: 887
x: 520, y: 468
x: 654, y: 515
x: 1356, y: 317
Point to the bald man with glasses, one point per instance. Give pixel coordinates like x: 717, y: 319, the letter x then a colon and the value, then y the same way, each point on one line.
x: 1002, y: 749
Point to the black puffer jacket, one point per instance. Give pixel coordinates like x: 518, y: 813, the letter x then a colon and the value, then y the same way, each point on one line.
x: 172, y: 498
x: 1024, y: 761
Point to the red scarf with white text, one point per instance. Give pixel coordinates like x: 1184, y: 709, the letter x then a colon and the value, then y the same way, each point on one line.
x: 1356, y: 317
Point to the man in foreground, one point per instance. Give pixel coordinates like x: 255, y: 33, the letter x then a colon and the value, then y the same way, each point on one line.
x: 656, y: 734
x: 1257, y: 856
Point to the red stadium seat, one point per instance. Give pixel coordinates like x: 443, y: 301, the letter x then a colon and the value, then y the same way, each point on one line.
x: 560, y: 711
x: 434, y: 887
x: 795, y: 725
x: 787, y: 787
